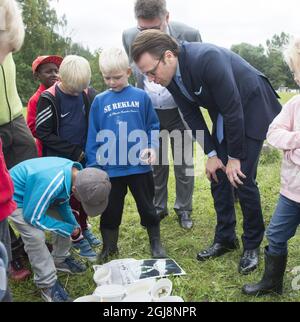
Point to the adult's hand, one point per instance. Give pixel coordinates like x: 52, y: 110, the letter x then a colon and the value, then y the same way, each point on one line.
x: 212, y: 166
x: 234, y: 173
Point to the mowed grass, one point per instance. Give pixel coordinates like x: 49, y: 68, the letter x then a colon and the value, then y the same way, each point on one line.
x: 215, y: 280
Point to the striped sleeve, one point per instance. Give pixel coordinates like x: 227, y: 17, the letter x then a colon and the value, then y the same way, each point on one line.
x: 43, y: 116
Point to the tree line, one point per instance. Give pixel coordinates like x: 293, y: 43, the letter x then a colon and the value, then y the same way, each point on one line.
x: 45, y: 34
x: 269, y: 59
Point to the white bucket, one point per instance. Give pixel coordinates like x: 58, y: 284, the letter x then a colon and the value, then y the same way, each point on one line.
x: 139, y: 291
x: 135, y: 297
x: 140, y: 287
x: 88, y: 298
x: 110, y: 293
x: 102, y: 276
x: 170, y: 299
x: 161, y: 289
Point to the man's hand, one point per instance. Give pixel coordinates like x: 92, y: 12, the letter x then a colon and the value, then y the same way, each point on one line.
x: 213, y: 164
x: 148, y: 156
x: 234, y: 173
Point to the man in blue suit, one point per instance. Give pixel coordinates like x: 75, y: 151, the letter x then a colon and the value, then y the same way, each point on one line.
x: 241, y: 104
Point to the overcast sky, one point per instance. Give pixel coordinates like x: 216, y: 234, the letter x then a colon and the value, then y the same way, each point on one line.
x: 99, y: 23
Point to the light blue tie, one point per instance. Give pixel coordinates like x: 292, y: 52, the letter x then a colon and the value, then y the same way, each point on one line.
x: 220, y: 128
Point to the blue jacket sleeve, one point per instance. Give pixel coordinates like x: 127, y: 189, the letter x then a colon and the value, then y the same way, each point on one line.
x: 152, y: 124
x: 38, y: 196
x: 94, y: 127
x: 66, y: 214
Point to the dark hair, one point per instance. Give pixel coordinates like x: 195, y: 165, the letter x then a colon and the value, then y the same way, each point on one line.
x: 150, y: 9
x: 154, y: 42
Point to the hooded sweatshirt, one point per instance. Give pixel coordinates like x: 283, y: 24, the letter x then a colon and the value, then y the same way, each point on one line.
x: 284, y: 134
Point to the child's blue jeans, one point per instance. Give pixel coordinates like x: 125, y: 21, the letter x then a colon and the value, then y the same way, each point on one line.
x: 283, y: 225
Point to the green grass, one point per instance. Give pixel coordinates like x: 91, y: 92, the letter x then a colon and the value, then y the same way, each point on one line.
x: 284, y: 97
x: 216, y: 280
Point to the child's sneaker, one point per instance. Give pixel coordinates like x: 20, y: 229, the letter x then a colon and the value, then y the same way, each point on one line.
x: 56, y: 293
x: 91, y: 238
x: 84, y: 250
x: 71, y: 265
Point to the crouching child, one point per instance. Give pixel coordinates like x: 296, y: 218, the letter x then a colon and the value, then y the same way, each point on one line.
x: 42, y: 191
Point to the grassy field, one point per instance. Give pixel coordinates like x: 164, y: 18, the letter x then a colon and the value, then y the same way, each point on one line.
x: 216, y: 280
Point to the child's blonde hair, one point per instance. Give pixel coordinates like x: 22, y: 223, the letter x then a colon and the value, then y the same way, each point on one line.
x: 75, y: 73
x: 12, y: 30
x: 113, y: 60
x: 292, y: 54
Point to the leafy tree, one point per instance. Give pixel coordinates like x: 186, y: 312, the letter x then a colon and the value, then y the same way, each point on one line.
x: 270, y: 60
x: 43, y: 37
x: 278, y: 71
x: 40, y: 39
x: 252, y: 54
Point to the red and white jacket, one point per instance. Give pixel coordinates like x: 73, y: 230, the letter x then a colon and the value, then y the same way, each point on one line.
x: 31, y: 116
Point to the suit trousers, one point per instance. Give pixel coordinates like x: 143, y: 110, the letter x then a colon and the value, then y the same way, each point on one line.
x: 171, y: 120
x: 249, y: 198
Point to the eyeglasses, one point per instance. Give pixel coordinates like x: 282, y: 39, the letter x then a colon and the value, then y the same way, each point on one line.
x: 147, y: 28
x: 152, y: 72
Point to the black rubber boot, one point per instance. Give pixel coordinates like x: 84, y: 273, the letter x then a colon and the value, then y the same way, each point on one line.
x: 157, y: 249
x: 110, y: 244
x: 272, y: 280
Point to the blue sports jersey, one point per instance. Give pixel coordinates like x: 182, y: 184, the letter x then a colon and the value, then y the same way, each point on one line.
x: 72, y: 124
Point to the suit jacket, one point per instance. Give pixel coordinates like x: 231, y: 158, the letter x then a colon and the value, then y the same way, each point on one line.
x: 224, y: 83
x: 179, y: 31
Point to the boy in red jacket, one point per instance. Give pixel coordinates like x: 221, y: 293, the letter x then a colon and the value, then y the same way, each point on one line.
x: 45, y: 70
x: 7, y: 207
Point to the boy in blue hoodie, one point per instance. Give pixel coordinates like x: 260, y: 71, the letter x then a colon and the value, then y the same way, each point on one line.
x: 122, y: 139
x: 42, y: 192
